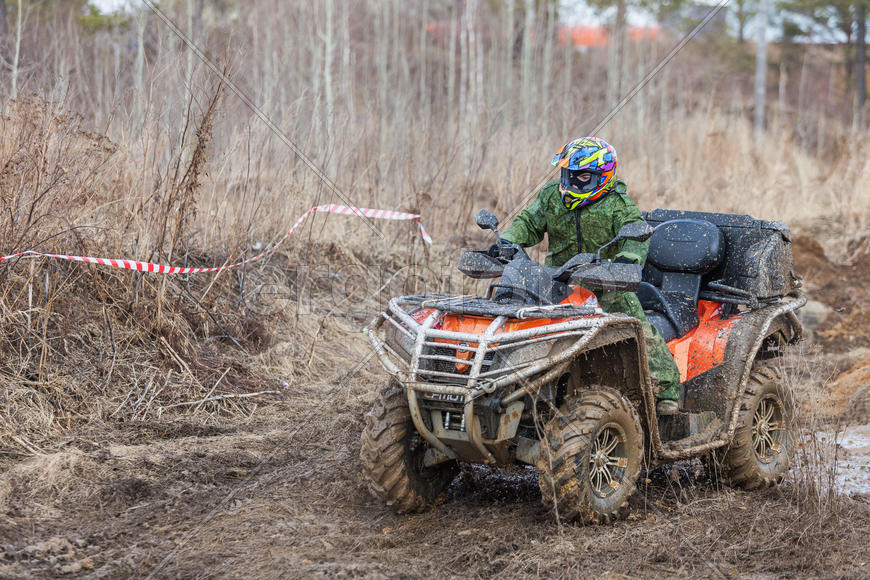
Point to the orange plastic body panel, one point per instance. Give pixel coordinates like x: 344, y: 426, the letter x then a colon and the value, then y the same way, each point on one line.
x: 699, y: 351
x: 704, y: 347
x: 479, y: 324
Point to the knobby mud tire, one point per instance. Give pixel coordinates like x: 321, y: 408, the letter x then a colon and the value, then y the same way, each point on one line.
x: 392, y: 457
x: 567, y: 450
x: 739, y: 464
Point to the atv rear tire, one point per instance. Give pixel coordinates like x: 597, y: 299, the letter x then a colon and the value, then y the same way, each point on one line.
x: 392, y: 457
x: 591, y: 457
x: 763, y: 444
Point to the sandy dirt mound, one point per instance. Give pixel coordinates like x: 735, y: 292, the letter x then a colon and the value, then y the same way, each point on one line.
x: 852, y: 331
x: 845, y: 289
x: 811, y: 263
x: 850, y: 393
x: 847, y: 384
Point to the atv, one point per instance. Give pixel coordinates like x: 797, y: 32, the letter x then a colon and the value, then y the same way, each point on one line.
x: 536, y: 373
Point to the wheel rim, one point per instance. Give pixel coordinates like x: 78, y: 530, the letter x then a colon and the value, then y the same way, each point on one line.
x: 608, y: 460
x: 768, y: 428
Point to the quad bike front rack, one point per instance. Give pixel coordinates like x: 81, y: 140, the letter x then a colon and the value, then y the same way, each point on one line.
x: 466, y: 365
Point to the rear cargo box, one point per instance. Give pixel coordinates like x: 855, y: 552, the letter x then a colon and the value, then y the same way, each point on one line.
x: 758, y: 256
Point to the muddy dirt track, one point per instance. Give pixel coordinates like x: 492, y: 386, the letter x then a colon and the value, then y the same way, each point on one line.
x: 278, y: 494
x: 268, y: 502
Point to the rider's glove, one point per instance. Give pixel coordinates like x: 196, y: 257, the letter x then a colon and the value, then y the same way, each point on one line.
x: 622, y: 260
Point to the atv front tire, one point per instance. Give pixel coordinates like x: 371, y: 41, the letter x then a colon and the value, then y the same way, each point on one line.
x: 392, y: 457
x: 591, y: 457
x: 763, y: 444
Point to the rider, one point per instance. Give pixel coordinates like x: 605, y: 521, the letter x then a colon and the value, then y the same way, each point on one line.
x: 580, y: 213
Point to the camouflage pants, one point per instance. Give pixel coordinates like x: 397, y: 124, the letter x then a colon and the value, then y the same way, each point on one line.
x: 662, y: 367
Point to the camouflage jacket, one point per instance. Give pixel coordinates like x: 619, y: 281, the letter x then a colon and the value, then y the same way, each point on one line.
x: 598, y: 224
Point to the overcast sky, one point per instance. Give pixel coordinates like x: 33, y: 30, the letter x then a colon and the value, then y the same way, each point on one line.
x: 109, y: 5
x: 573, y: 11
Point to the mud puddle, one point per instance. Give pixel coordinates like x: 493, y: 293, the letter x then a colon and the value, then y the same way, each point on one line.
x: 853, y: 467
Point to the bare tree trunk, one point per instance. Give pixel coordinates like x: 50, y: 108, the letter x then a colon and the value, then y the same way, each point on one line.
x: 849, y: 53
x: 549, y: 41
x: 265, y: 45
x: 780, y: 109
x: 116, y: 61
x: 616, y: 52
x: 507, y: 58
x: 527, y: 73
x: 760, y: 71
x: 347, y: 70
x: 328, y: 56
x: 451, y: 61
x: 383, y: 56
x: 464, y: 70
x: 316, y: 129
x: 821, y: 137
x: 742, y: 17
x: 401, y: 62
x: 802, y: 87
x: 567, y: 73
x: 424, y: 72
x: 17, y: 56
x: 480, y: 109
x: 188, y: 73
x: 141, y: 20
x: 3, y: 32
x: 463, y: 63
x: 860, y: 66
x: 139, y: 78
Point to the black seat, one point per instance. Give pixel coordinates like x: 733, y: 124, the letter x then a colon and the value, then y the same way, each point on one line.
x: 683, y: 251
x: 652, y: 300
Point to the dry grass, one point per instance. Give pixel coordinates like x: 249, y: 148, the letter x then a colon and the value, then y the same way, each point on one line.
x: 85, y: 344
x: 812, y: 482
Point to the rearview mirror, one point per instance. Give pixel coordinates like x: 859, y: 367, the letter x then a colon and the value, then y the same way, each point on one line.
x: 486, y: 220
x: 636, y: 231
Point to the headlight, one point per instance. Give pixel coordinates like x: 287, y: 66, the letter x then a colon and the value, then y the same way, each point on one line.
x: 399, y: 342
x: 522, y: 354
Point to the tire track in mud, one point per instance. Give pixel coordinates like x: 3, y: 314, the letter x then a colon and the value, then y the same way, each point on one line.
x: 125, y: 501
x: 306, y: 512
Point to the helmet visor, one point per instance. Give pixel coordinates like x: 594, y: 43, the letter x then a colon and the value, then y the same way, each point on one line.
x: 579, y: 182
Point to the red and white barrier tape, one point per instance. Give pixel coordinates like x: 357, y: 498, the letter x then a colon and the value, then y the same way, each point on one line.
x: 379, y: 214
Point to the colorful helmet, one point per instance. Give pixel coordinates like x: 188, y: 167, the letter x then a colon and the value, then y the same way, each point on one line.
x: 586, y: 155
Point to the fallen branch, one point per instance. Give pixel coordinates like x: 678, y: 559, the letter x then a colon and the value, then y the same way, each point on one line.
x: 219, y: 398
x: 213, y: 389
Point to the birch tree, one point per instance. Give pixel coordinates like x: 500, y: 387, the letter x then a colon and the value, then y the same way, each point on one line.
x: 328, y: 38
x: 17, y: 54
x: 860, y: 62
x: 761, y: 71
x: 139, y: 72
x: 3, y: 32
